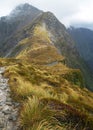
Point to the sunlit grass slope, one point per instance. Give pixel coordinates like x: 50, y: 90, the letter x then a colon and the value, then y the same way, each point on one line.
x: 52, y: 96
x: 50, y: 100
x: 38, y: 48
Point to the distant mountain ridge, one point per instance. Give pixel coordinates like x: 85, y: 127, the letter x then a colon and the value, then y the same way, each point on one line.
x: 84, y: 42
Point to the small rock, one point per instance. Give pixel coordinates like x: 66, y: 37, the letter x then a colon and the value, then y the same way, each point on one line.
x: 6, y: 112
x: 1, y: 123
x: 9, y: 103
x: 1, y: 108
x: 12, y: 117
x: 16, y: 104
x: 8, y: 100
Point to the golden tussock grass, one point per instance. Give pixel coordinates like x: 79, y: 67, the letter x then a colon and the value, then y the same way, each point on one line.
x: 30, y: 84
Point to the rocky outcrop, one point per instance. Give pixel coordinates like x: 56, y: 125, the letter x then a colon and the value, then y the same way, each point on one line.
x: 8, y: 108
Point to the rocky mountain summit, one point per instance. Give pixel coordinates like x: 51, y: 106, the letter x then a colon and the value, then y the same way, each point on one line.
x: 23, y: 10
x: 21, y: 16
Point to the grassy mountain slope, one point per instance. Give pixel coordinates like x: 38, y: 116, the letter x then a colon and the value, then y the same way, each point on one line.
x: 66, y: 46
x: 58, y: 38
x: 37, y: 48
x: 53, y: 95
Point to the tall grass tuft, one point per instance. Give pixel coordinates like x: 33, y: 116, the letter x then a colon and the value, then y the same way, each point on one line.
x: 35, y: 114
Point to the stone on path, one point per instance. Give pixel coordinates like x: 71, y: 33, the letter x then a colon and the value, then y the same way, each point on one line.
x: 8, y: 111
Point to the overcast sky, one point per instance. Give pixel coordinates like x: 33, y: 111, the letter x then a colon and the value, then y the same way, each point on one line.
x: 69, y: 12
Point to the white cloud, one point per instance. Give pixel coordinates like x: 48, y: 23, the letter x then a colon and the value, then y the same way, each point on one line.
x: 83, y: 15
x: 67, y: 11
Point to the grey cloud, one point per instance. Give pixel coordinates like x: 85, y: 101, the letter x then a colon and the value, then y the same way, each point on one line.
x: 83, y: 25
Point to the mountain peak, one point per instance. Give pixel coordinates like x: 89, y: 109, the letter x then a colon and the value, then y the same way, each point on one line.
x: 24, y: 6
x: 23, y: 9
